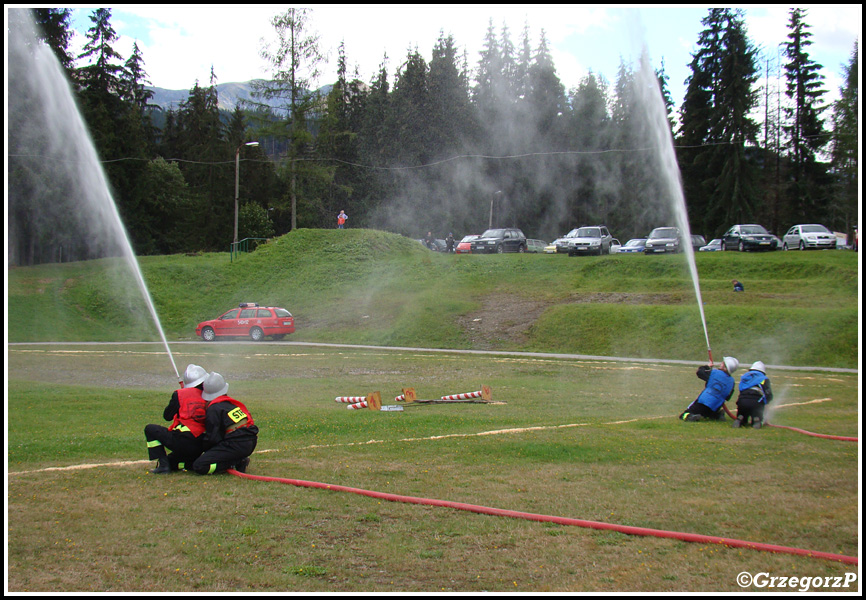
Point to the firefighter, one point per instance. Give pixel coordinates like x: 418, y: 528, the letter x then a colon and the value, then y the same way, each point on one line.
x: 230, y: 433
x: 755, y: 394
x: 186, y: 411
x: 718, y: 390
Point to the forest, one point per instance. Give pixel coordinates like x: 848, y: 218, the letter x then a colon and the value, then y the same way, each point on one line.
x: 443, y: 143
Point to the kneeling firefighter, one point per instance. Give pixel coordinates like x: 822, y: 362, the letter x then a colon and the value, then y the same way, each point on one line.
x: 718, y: 390
x: 230, y: 433
x: 186, y: 411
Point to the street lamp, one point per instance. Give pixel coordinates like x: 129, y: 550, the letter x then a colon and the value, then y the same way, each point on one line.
x: 490, y: 225
x: 237, y: 180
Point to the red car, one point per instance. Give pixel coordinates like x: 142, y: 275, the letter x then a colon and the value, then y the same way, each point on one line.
x: 249, y: 319
x: 465, y: 246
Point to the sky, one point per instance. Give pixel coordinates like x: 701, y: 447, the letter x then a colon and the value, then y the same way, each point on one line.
x: 180, y: 43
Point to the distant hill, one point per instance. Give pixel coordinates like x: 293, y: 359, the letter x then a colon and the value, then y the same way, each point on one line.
x: 230, y: 94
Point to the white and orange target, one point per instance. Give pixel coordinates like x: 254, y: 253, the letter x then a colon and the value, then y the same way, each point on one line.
x: 350, y: 399
x: 484, y: 393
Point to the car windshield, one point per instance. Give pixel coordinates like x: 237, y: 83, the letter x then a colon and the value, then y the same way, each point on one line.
x: 663, y: 233
x: 469, y: 238
x: 814, y: 229
x: 753, y: 230
x: 282, y: 312
x: 590, y: 232
x: 633, y: 243
x: 493, y: 233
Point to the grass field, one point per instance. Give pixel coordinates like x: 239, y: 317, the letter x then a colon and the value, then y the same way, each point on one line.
x: 585, y: 439
x: 600, y: 441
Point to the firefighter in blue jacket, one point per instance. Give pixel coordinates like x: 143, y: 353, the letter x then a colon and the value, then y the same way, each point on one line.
x: 755, y: 394
x: 719, y: 389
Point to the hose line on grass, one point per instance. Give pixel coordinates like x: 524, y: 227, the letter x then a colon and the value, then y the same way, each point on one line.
x: 818, y: 435
x: 628, y: 530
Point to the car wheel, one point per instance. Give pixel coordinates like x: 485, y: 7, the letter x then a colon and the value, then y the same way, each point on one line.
x: 742, y: 247
x: 802, y: 245
x: 785, y: 246
x: 207, y: 334
x: 521, y: 249
x: 500, y: 249
x: 256, y: 334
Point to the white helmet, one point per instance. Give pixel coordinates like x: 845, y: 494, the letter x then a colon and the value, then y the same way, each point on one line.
x: 731, y: 364
x: 193, y: 376
x: 758, y: 366
x: 214, y: 386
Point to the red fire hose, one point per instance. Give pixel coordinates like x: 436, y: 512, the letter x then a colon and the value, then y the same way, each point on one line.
x: 818, y: 435
x: 686, y: 537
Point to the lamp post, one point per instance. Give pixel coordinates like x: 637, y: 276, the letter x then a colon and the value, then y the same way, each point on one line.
x: 237, y: 182
x: 490, y: 224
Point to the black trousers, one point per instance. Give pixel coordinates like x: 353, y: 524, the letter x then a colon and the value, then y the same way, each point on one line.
x: 185, y: 447
x: 696, y: 408
x: 750, y: 407
x: 225, y: 455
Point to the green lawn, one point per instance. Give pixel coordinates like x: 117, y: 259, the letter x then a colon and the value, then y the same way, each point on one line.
x: 593, y: 440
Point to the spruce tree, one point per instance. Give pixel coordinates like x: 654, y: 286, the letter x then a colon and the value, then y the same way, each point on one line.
x: 804, y: 125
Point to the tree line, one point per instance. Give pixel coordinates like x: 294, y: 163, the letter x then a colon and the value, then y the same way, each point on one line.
x: 446, y: 144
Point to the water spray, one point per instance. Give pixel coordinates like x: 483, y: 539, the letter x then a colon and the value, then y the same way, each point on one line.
x: 53, y: 112
x: 655, y: 111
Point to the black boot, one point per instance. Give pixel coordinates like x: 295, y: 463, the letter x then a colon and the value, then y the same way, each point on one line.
x: 162, y: 466
x: 241, y: 466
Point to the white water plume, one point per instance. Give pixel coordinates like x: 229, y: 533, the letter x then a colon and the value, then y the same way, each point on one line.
x: 656, y: 116
x: 63, y: 191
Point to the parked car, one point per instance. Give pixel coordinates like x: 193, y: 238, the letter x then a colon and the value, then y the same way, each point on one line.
x: 590, y: 240
x: 550, y: 248
x: 633, y: 246
x: 804, y: 237
x: 749, y: 237
x: 663, y: 239
x: 437, y: 245
x: 509, y: 239
x: 562, y: 243
x: 536, y: 246
x: 698, y: 241
x: 464, y: 246
x: 615, y: 246
x: 248, y: 319
x: 713, y: 246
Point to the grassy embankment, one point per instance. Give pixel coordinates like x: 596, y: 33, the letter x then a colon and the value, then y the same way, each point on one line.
x: 368, y: 287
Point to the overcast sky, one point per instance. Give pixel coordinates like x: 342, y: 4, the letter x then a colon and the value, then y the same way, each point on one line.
x: 180, y: 43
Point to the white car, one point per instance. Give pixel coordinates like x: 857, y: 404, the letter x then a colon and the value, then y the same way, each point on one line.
x: 615, y: 246
x: 808, y: 236
x: 713, y: 246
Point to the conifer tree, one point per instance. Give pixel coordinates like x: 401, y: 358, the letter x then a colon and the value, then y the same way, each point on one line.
x: 804, y: 125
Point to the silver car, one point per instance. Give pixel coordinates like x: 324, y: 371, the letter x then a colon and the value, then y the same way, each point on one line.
x: 663, y: 239
x: 562, y: 242
x: 590, y: 240
x: 808, y: 236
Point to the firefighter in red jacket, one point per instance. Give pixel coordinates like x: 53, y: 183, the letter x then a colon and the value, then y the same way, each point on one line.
x: 230, y: 433
x: 186, y: 411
